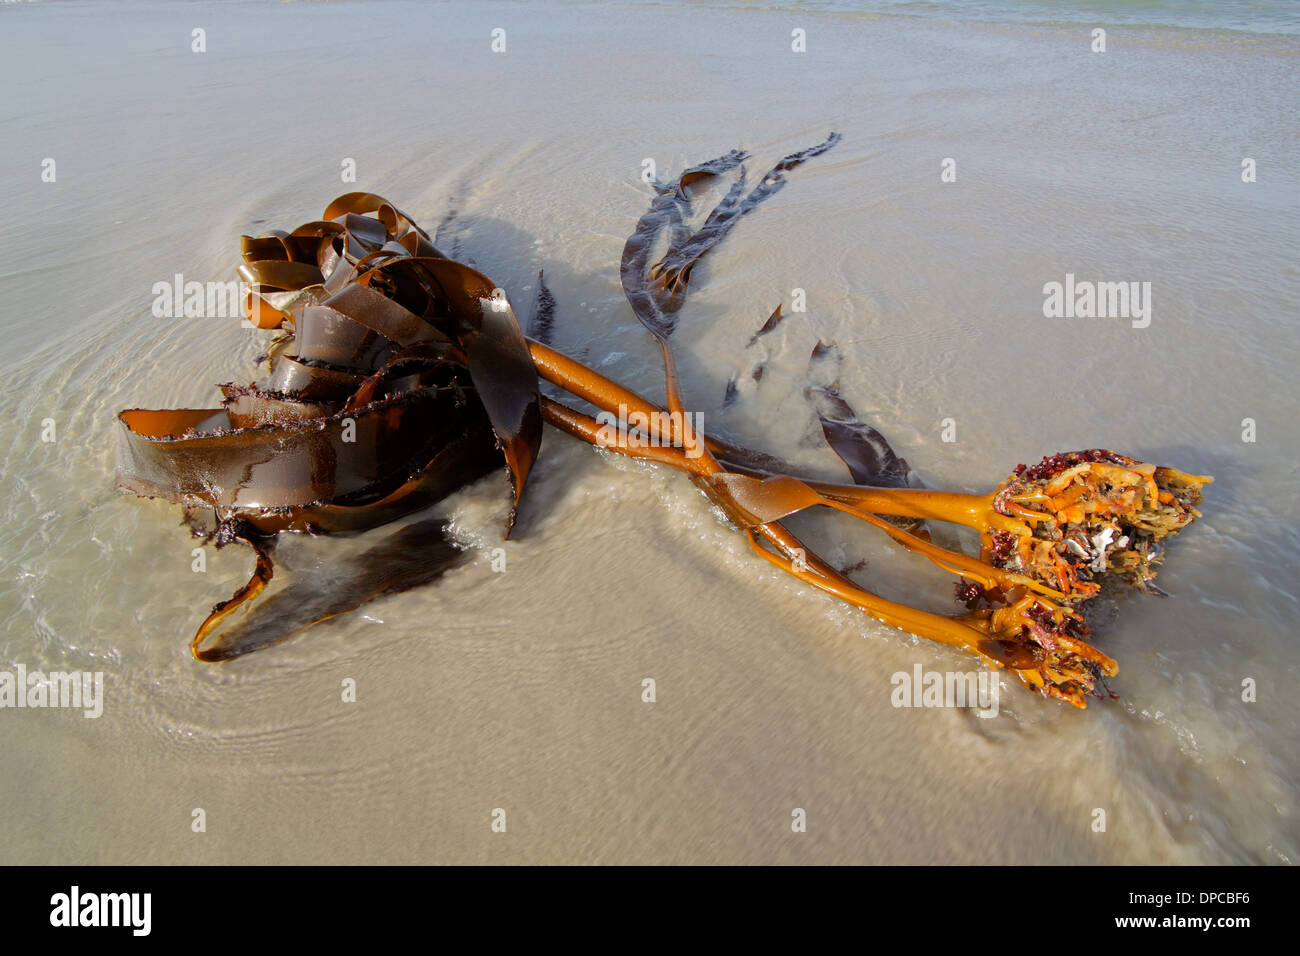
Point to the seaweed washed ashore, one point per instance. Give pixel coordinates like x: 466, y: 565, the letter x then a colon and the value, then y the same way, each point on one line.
x: 399, y: 375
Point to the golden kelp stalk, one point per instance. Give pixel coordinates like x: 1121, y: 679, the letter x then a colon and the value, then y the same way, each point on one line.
x: 402, y: 375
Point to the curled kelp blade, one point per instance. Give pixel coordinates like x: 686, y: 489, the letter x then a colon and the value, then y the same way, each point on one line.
x: 401, y: 288
x: 463, y: 460
x: 656, y: 291
x: 398, y: 377
x: 712, y: 167
x: 303, y: 584
x: 213, y: 457
x: 468, y: 309
x: 243, y: 598
x: 870, y: 458
x: 355, y: 289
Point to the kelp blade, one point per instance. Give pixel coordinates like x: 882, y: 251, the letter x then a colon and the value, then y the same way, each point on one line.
x: 401, y: 376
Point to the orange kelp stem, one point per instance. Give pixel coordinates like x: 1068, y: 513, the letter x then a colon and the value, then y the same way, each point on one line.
x: 795, y: 559
x: 974, y: 511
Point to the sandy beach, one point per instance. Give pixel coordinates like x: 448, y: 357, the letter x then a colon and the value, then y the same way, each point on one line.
x: 522, y: 690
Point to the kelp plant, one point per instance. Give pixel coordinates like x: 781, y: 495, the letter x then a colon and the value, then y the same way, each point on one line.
x: 401, y: 375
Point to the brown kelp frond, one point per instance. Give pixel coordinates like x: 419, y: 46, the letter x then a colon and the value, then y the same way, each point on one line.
x: 672, y: 273
x: 403, y: 376
x: 772, y: 322
x: 870, y: 458
x: 668, y: 211
x: 377, y: 288
x: 263, y: 572
x: 756, y: 372
x: 332, y: 585
x: 382, y: 285
x: 713, y: 167
x: 656, y: 291
x: 541, y: 322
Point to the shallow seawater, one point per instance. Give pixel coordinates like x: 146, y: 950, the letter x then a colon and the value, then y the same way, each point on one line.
x: 522, y: 689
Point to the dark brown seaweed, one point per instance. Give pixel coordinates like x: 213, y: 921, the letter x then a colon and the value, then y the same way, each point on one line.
x: 409, y: 557
x: 656, y: 291
x: 870, y: 458
x: 541, y: 323
x: 403, y: 375
x: 335, y: 423
x: 772, y: 322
